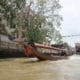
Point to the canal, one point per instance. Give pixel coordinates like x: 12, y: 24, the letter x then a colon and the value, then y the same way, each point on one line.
x: 32, y: 69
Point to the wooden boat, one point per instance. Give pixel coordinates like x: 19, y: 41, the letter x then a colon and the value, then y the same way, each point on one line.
x: 43, y: 52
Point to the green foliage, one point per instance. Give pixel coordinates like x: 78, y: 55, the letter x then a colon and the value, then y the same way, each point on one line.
x: 50, y: 9
x: 57, y: 37
x: 33, y: 29
x: 9, y: 8
x: 39, y: 18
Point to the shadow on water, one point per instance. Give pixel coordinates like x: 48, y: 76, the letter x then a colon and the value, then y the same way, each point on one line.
x: 35, y: 60
x: 6, y: 59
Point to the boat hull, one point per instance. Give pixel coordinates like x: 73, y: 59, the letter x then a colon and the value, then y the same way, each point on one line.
x: 29, y: 50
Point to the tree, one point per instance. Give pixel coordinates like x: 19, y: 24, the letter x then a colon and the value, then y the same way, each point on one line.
x: 36, y: 19
x: 33, y: 28
x: 9, y: 9
x: 49, y: 20
x: 57, y: 37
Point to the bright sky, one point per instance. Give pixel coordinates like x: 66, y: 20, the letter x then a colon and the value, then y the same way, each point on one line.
x: 71, y: 20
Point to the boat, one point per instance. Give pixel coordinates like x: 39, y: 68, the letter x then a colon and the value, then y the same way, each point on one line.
x: 44, y: 52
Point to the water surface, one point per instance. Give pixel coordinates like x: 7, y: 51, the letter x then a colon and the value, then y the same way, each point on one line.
x: 32, y: 69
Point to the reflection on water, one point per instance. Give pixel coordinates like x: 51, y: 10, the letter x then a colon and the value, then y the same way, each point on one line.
x: 32, y: 69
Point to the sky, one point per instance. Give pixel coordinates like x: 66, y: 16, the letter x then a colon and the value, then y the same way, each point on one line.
x: 71, y: 20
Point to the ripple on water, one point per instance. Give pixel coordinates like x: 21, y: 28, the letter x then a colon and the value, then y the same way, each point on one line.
x: 31, y: 69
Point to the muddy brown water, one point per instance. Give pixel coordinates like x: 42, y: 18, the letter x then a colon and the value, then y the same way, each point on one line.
x: 32, y: 69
